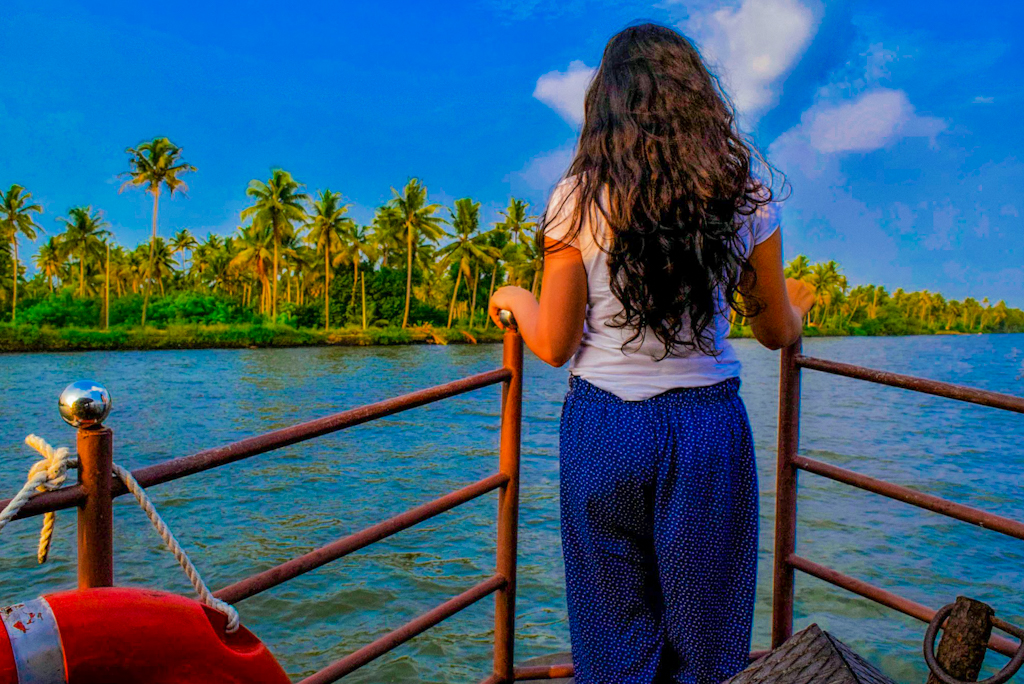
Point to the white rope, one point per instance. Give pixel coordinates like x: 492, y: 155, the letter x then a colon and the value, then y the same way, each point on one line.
x: 51, y: 472
x: 44, y: 476
x: 205, y: 595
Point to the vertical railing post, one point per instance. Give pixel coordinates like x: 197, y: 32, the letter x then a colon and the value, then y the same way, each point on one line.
x: 95, y: 514
x: 84, y: 405
x: 508, y: 508
x: 785, y: 495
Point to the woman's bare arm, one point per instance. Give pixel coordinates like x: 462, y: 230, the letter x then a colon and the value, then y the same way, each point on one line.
x: 552, y: 328
x: 783, y: 301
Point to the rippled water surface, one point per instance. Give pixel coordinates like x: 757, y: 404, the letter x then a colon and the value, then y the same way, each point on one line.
x: 252, y: 515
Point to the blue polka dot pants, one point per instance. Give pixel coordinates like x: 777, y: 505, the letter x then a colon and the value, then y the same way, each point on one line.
x: 659, y: 532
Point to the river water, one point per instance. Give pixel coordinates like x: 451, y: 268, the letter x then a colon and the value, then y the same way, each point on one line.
x: 252, y: 515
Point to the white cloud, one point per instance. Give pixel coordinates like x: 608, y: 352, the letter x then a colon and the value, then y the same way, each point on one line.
x: 947, y: 224
x: 753, y: 46
x: 981, y: 99
x: 564, y: 91
x: 874, y: 120
x: 539, y: 176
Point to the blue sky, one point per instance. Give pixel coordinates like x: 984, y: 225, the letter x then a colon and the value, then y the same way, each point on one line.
x: 897, y: 123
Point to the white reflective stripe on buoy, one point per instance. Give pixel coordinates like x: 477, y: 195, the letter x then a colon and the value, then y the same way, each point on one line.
x: 35, y: 640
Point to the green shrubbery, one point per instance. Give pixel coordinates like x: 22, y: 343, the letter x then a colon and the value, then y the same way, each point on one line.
x: 178, y: 308
x: 62, y: 311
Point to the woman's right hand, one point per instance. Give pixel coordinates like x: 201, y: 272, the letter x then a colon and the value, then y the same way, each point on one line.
x: 801, y: 295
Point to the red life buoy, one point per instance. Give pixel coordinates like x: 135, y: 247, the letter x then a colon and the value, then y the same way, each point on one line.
x: 128, y: 636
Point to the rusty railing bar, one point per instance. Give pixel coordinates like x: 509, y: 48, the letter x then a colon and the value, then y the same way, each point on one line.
x: 1007, y: 402
x: 392, y: 640
x: 559, y: 671
x: 508, y: 510
x: 184, y: 466
x: 884, y: 597
x: 59, y: 500
x: 95, y: 528
x: 783, y: 585
x: 260, y: 582
x: 951, y: 509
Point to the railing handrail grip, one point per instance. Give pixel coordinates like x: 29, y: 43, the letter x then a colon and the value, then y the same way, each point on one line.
x: 183, y: 466
x: 930, y: 502
x: 290, y: 569
x: 1006, y: 402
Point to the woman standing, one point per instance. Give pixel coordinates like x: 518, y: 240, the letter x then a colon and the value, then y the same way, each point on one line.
x: 658, y: 232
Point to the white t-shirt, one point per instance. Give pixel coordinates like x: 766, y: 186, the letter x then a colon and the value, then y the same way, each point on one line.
x: 637, y: 373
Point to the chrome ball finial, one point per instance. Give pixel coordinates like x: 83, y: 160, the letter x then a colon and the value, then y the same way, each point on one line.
x: 507, y: 319
x: 84, y: 404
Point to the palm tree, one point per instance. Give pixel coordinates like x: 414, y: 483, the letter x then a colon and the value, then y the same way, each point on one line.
x: 83, y: 237
x: 288, y: 249
x: 970, y: 310
x: 304, y: 263
x: 1000, y: 312
x: 799, y: 268
x: 326, y: 225
x: 155, y: 164
x: 358, y: 245
x: 278, y: 205
x: 516, y: 261
x: 499, y: 241
x: 825, y: 278
x: 49, y: 260
x: 204, y: 254
x: 255, y: 256
x: 16, y: 217
x: 137, y: 264
x: 857, y: 299
x: 120, y: 269
x: 535, y: 262
x: 516, y: 222
x: 877, y: 291
x: 418, y: 221
x: 161, y: 263
x: 182, y: 242
x: 386, y: 232
x: 467, y: 250
x: 106, y: 287
x: 219, y: 272
x: 953, y: 312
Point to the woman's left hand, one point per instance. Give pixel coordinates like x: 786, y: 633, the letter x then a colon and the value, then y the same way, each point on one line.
x: 509, y: 297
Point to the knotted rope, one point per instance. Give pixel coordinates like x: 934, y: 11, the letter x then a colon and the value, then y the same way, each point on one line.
x: 44, y: 476
x: 51, y: 472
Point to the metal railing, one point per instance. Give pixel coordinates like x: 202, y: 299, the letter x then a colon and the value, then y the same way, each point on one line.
x: 96, y: 489
x: 790, y: 463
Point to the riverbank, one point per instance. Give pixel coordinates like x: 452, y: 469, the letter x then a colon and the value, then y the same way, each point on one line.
x: 29, y: 338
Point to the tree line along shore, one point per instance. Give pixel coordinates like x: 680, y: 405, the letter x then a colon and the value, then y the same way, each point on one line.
x: 300, y: 271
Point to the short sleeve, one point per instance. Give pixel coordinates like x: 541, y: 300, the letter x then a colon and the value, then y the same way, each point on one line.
x: 558, y: 223
x: 765, y: 222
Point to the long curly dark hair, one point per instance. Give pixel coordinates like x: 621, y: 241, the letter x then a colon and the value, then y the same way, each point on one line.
x: 661, y: 160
